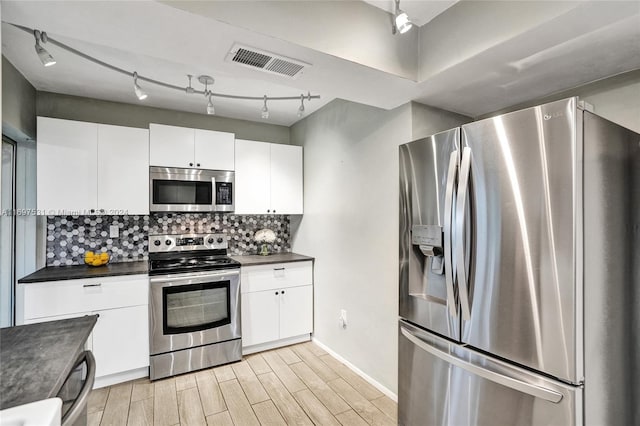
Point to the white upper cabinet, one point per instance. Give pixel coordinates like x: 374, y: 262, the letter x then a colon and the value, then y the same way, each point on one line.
x: 86, y: 168
x: 214, y: 150
x: 252, y: 177
x: 123, y: 172
x: 171, y: 146
x: 268, y: 178
x: 286, y: 179
x: 66, y: 165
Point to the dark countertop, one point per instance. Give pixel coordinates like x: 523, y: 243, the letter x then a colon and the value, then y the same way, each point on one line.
x: 252, y: 260
x: 57, y: 273
x: 36, y: 359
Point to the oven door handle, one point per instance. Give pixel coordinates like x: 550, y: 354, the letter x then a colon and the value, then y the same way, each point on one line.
x: 193, y: 277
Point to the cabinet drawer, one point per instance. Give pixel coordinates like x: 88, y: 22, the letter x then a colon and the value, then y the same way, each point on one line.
x: 276, y: 276
x: 70, y: 296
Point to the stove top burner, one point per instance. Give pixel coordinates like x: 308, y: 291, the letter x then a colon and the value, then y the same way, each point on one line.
x: 172, y: 254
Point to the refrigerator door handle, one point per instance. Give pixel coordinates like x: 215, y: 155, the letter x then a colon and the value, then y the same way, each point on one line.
x: 510, y: 382
x: 448, y: 218
x: 461, y: 206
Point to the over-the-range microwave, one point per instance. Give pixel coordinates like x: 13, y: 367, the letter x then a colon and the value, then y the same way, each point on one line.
x: 190, y: 190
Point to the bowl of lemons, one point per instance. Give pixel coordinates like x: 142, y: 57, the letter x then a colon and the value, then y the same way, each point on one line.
x: 96, y: 259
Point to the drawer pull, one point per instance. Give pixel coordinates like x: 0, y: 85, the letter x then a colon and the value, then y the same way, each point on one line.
x: 92, y: 285
x: 278, y: 269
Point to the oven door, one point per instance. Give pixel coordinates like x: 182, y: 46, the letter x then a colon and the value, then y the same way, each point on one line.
x: 193, y: 309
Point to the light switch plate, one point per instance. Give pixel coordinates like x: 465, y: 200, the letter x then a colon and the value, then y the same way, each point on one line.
x: 114, y: 232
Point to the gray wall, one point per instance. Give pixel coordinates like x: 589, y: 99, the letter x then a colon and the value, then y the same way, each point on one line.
x: 616, y: 98
x: 350, y: 224
x: 106, y: 112
x: 18, y: 104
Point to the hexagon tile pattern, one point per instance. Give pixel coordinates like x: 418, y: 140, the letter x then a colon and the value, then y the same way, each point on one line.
x: 69, y: 237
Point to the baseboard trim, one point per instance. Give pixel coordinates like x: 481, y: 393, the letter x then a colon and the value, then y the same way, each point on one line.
x: 275, y: 344
x: 114, y: 379
x: 360, y: 373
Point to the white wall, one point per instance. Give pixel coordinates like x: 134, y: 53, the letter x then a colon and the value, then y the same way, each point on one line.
x: 350, y: 224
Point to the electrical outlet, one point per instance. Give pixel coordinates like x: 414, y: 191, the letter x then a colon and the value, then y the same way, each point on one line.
x: 114, y: 231
x: 343, y: 318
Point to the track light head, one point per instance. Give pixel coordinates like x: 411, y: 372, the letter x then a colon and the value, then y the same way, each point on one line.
x: 301, y: 109
x: 45, y: 57
x: 265, y: 110
x: 401, y: 21
x: 210, y: 108
x: 141, y: 94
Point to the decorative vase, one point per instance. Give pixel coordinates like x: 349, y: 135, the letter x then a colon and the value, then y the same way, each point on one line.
x: 264, y: 251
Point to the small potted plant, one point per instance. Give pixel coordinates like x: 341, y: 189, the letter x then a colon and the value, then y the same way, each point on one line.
x: 266, y: 237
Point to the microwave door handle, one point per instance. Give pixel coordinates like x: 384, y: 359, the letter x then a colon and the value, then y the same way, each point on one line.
x: 448, y: 249
x: 461, y: 207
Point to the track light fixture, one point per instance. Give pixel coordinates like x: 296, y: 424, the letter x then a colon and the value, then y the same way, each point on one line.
x: 47, y: 60
x: 401, y: 21
x: 265, y: 110
x: 141, y: 94
x: 45, y: 57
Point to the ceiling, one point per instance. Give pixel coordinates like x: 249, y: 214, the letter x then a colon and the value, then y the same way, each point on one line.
x: 468, y: 57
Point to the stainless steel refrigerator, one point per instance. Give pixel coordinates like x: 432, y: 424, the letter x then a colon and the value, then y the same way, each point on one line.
x: 520, y: 272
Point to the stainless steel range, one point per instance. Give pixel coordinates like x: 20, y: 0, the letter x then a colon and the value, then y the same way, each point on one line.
x: 194, y: 304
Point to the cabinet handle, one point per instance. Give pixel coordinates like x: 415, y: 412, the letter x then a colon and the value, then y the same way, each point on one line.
x: 92, y: 285
x: 190, y: 164
x: 276, y: 293
x: 93, y: 210
x: 274, y: 211
x: 282, y: 291
x: 268, y: 210
x: 198, y: 164
x: 278, y: 269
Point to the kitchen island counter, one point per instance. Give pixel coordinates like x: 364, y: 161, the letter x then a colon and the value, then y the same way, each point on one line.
x: 36, y: 359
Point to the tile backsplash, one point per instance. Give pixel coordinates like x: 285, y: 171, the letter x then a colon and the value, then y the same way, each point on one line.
x: 69, y: 237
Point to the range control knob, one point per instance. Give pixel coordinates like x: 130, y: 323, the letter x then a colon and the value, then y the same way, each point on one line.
x: 156, y: 242
x: 210, y: 240
x: 168, y: 242
x: 220, y: 240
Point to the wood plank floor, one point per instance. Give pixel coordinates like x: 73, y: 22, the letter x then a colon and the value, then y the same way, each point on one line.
x: 296, y: 385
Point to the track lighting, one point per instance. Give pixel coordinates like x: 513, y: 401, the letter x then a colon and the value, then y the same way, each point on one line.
x: 141, y: 94
x: 45, y: 57
x: 210, y: 109
x: 301, y: 109
x: 265, y: 110
x: 401, y: 21
x: 47, y: 60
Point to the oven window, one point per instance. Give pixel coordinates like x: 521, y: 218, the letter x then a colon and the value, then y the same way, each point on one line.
x: 196, y: 307
x: 182, y: 192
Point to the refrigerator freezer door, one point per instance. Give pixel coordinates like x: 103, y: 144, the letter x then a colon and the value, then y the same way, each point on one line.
x: 520, y: 232
x: 442, y: 383
x: 427, y: 186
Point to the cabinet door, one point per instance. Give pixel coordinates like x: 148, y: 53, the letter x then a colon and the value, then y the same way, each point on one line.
x: 260, y: 317
x: 286, y: 179
x: 171, y: 146
x: 252, y: 177
x: 121, y: 340
x: 66, y: 166
x: 214, y: 150
x: 123, y: 170
x: 296, y: 311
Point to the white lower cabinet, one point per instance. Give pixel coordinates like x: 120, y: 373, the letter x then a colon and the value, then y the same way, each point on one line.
x: 120, y: 338
x: 277, y: 305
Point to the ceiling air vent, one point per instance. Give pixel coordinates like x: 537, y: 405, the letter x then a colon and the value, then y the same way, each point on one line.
x: 266, y: 61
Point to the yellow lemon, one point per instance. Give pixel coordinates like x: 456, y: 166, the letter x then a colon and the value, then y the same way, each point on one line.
x: 96, y: 262
x: 89, y: 253
x: 104, y: 256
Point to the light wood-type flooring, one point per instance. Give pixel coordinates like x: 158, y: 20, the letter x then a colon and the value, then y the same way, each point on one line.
x: 295, y: 385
